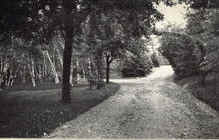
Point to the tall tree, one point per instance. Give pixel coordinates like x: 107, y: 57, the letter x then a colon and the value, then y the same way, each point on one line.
x: 40, y: 20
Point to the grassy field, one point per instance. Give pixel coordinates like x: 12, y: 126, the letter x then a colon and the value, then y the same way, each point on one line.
x: 36, y: 112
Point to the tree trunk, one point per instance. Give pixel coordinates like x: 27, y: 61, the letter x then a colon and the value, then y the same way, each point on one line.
x: 58, y: 51
x: 1, y: 70
x: 32, y: 72
x: 66, y: 87
x: 11, y: 78
x: 215, y: 81
x: 54, y: 72
x: 23, y: 74
x: 74, y: 74
x: 71, y: 74
x: 71, y: 25
x: 44, y: 67
x: 99, y: 64
x: 78, y: 75
x: 59, y: 57
x: 107, y: 72
x: 108, y: 61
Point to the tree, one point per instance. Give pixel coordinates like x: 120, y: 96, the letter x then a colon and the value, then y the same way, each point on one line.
x: 154, y: 59
x: 133, y: 18
x: 42, y: 19
x: 109, y: 39
x: 136, y: 61
x: 203, y: 21
x: 197, y: 4
x: 114, y: 50
x: 119, y: 25
x: 184, y: 53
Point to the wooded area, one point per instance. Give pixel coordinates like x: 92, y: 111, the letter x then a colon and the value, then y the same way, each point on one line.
x: 65, y: 41
x: 194, y: 50
x: 72, y: 44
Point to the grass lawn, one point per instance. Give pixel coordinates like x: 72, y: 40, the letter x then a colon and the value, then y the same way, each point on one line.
x: 35, y: 113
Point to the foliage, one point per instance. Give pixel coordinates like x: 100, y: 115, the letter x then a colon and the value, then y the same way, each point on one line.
x: 38, y: 22
x: 183, y: 52
x: 197, y: 4
x: 154, y: 59
x: 136, y: 66
x: 137, y: 61
x: 203, y: 24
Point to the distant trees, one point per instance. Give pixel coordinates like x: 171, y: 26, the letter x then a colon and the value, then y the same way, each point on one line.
x: 113, y: 50
x: 137, y: 61
x: 203, y: 24
x: 200, y: 37
x: 154, y: 59
x: 197, y: 4
x: 37, y: 23
x: 136, y: 66
x: 184, y: 53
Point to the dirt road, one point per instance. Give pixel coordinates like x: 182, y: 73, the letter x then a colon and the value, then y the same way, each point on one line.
x: 151, y: 107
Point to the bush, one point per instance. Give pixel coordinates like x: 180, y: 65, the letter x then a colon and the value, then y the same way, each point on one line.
x: 154, y: 60
x: 183, y: 53
x: 136, y: 66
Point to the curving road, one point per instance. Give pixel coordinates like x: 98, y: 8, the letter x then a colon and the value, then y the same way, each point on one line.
x: 151, y: 107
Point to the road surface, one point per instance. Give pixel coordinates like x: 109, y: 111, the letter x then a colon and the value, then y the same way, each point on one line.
x: 151, y: 107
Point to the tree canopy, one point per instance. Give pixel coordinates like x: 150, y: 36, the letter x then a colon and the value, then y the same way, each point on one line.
x: 97, y: 23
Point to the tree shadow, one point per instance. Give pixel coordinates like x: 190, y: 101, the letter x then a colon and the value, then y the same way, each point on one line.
x: 31, y: 114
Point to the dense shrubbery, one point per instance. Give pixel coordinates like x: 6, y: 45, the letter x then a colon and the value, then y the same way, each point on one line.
x: 136, y: 66
x: 155, y: 61
x: 183, y: 53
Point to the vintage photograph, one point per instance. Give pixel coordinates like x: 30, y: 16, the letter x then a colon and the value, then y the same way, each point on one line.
x: 109, y: 69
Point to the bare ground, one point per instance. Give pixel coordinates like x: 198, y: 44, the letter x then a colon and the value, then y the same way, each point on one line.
x: 152, y: 107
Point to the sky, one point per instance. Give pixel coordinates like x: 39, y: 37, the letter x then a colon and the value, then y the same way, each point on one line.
x: 172, y: 15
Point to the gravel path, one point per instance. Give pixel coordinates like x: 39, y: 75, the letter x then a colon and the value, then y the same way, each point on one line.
x: 152, y: 107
